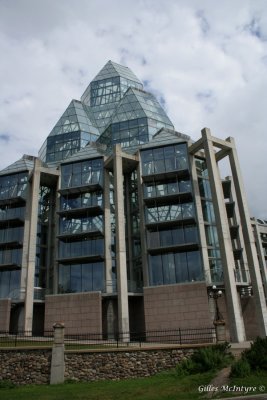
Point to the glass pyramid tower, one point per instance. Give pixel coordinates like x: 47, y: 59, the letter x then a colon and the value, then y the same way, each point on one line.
x: 113, y: 109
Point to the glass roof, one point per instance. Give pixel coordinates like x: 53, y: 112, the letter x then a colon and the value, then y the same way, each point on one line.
x: 77, y: 117
x: 25, y: 163
x: 138, y: 104
x: 112, y: 69
x: 113, y: 98
x: 106, y: 90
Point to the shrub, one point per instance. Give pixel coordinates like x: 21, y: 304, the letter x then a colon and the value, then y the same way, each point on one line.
x: 185, y: 367
x: 240, y: 369
x: 206, y: 359
x: 257, y: 354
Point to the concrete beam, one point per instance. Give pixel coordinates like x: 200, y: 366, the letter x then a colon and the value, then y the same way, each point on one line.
x: 249, y: 241
x: 121, y: 265
x: 236, y: 323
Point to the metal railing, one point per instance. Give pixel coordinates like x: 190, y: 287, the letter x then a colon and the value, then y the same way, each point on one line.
x: 242, y: 276
x: 178, y: 336
x: 93, y: 341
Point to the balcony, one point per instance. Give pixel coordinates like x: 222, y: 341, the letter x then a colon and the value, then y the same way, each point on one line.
x: 230, y: 206
x: 93, y: 187
x: 182, y: 173
x: 161, y: 199
x: 242, y: 277
x: 174, y: 222
x: 79, y: 212
x: 215, y: 277
x: 182, y: 247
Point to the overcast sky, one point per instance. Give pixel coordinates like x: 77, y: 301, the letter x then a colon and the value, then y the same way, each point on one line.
x: 206, y: 61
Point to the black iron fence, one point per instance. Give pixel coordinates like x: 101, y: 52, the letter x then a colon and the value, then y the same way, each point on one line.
x: 118, y: 340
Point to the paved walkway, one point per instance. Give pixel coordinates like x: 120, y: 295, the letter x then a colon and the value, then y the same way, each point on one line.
x: 222, y: 378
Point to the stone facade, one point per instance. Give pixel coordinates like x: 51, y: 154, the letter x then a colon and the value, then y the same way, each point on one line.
x: 80, y: 312
x: 177, y: 306
x: 5, y: 308
x: 33, y: 366
x: 121, y: 365
x: 24, y: 367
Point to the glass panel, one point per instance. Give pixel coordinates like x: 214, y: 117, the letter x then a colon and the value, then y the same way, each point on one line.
x: 156, y: 276
x: 181, y: 267
x: 194, y: 266
x: 75, y: 278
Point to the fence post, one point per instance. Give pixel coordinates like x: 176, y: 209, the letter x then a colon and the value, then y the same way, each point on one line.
x: 58, y: 361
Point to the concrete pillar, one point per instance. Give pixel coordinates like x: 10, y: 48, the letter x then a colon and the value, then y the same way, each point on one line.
x: 142, y: 225
x: 33, y: 219
x: 51, y: 256
x: 236, y: 323
x: 261, y: 256
x: 107, y: 227
x: 24, y: 262
x: 240, y: 240
x: 123, y: 307
x: 58, y: 362
x: 129, y: 229
x: 200, y: 220
x: 249, y: 241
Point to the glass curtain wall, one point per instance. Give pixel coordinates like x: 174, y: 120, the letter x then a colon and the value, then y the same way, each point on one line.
x: 170, y: 216
x: 81, y: 239
x: 13, y: 189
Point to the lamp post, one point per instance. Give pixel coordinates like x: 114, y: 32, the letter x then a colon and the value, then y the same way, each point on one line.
x: 218, y: 322
x: 215, y: 294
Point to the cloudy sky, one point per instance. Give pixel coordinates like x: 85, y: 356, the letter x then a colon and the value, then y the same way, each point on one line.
x: 205, y: 60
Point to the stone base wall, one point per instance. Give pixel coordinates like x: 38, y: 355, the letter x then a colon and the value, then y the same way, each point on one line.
x: 80, y: 312
x: 121, y: 365
x: 25, y: 367
x: 5, y: 309
x: 176, y: 306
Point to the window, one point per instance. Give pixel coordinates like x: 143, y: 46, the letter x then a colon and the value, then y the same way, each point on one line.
x: 175, y: 267
x: 164, y: 159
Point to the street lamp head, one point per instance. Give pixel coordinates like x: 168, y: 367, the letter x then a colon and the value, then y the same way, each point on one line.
x: 214, y: 287
x: 219, y: 292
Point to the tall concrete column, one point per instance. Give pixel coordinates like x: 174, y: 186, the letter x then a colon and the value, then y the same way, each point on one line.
x: 33, y: 219
x: 142, y: 225
x: 236, y: 323
x: 249, y: 241
x: 261, y: 256
x: 129, y: 230
x: 123, y: 307
x: 200, y: 219
x: 24, y: 262
x: 107, y: 225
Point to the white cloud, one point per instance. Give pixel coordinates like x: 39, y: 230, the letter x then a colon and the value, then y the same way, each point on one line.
x: 207, y: 60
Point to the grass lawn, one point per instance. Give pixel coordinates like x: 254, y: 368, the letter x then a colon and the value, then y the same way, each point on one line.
x: 257, y: 380
x: 165, y: 385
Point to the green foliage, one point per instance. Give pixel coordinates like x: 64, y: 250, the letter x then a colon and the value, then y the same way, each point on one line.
x: 6, y: 384
x: 206, y: 359
x: 240, y: 369
x: 257, y: 354
x: 185, y: 367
